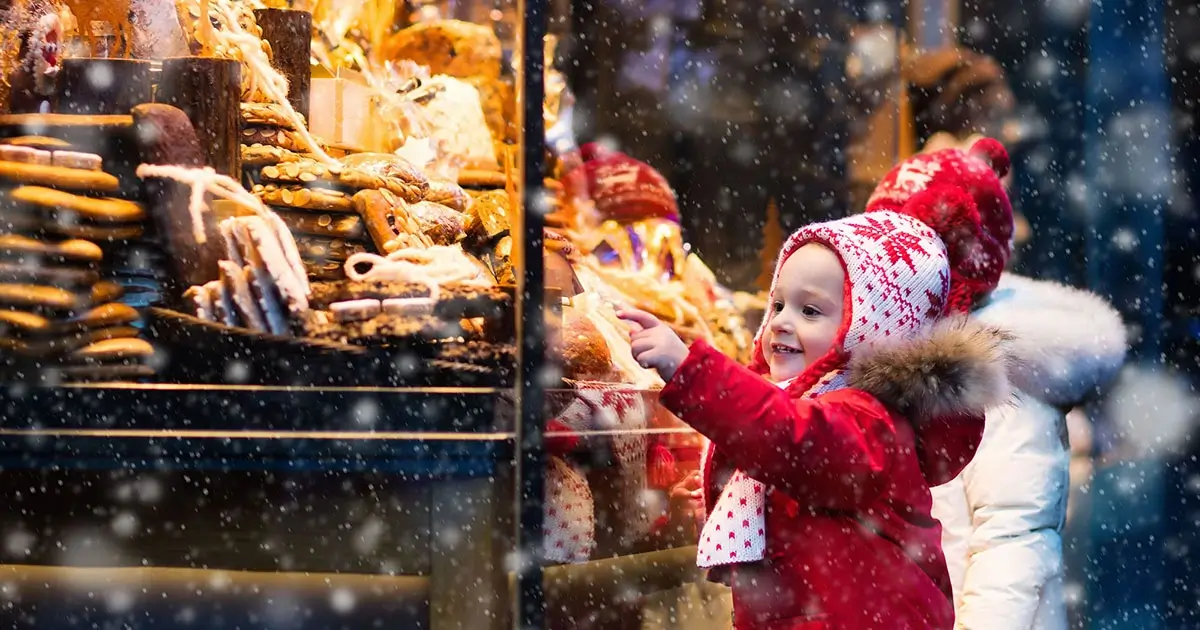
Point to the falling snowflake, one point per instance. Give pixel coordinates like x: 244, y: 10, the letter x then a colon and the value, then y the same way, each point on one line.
x: 1155, y: 410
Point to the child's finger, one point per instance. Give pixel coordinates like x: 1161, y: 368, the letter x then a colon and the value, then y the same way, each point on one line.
x: 639, y: 317
x: 641, y: 347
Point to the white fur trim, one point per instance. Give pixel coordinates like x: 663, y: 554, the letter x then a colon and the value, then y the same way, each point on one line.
x: 1066, y: 342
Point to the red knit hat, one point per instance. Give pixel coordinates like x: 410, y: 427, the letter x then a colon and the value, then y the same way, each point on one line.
x: 960, y: 195
x: 621, y: 187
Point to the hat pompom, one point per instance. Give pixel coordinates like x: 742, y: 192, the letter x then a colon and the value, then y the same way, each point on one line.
x: 990, y: 150
x: 975, y: 261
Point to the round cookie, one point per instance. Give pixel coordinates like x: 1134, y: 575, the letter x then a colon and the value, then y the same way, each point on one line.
x: 25, y: 250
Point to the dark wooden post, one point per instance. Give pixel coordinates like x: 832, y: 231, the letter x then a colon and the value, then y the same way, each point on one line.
x: 102, y: 86
x: 290, y: 34
x: 209, y: 91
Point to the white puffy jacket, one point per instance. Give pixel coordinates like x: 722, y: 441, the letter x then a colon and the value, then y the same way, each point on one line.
x: 1003, y: 516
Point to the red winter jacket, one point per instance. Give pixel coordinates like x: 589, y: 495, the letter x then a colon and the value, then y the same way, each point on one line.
x: 850, y: 540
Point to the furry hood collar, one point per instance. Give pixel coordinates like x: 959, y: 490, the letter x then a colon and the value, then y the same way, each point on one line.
x: 1063, y: 344
x: 943, y: 381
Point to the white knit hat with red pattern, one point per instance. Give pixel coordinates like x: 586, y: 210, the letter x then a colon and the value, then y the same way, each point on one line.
x: 897, y: 281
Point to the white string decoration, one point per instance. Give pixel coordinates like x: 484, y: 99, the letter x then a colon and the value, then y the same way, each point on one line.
x: 262, y: 75
x: 432, y: 267
x: 206, y: 180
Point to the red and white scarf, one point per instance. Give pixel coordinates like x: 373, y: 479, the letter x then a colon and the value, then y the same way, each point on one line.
x: 736, y: 528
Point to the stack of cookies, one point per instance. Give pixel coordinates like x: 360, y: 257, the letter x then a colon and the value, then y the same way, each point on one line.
x: 58, y: 316
x: 266, y: 130
x: 60, y: 310
x: 337, y: 211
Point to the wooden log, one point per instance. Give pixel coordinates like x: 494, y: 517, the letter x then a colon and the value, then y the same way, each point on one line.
x: 289, y: 32
x: 208, y: 90
x: 102, y: 86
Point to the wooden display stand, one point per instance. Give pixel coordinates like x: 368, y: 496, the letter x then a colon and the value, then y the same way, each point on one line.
x: 290, y: 34
x: 208, y: 90
x: 101, y: 86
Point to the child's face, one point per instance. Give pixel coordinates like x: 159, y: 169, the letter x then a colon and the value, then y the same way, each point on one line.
x: 806, y: 311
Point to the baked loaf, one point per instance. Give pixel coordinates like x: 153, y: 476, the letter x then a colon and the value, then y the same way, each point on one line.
x: 585, y: 355
x: 452, y: 47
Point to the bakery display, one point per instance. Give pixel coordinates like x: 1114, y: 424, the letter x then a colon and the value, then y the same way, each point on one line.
x: 266, y: 239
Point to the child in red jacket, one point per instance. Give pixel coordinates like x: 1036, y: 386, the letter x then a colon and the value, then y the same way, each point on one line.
x: 817, y: 480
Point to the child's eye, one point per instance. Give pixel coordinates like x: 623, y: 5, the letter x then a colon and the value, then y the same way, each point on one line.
x: 810, y: 311
x: 777, y: 306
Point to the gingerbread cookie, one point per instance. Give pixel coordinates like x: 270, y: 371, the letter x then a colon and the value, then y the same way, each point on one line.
x: 454, y: 301
x: 309, y: 172
x: 259, y: 155
x: 76, y: 159
x: 282, y: 138
x: 200, y: 302
x: 50, y: 275
x: 319, y: 248
x: 324, y: 270
x: 50, y: 299
x: 398, y: 175
x: 44, y: 143
x: 28, y: 324
x: 25, y: 155
x: 448, y: 194
x: 66, y: 225
x: 304, y: 198
x: 46, y: 347
x: 388, y: 222
x: 345, y: 226
x: 89, y: 208
x: 382, y: 329
x: 112, y: 350
x: 443, y: 225
x: 59, y: 178
x: 25, y: 250
x: 267, y: 115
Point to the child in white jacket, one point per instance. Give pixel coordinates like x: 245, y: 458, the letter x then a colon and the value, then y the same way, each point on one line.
x: 1002, y: 517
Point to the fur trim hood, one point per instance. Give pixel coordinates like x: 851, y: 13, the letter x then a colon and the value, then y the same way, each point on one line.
x: 959, y: 368
x: 1064, y: 343
x: 943, y: 381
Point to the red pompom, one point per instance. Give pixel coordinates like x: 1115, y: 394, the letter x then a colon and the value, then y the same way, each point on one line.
x: 976, y: 260
x: 994, y: 153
